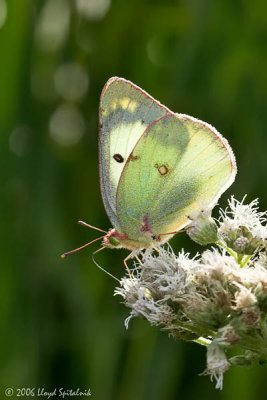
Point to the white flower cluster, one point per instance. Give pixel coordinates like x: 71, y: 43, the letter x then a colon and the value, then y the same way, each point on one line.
x: 217, y: 298
x: 242, y: 226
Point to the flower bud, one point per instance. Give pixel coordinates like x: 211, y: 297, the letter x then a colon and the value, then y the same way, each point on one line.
x: 203, y: 229
x: 244, y: 360
x: 241, y: 240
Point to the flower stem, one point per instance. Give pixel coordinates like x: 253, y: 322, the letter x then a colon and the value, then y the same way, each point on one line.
x: 245, y: 260
x: 229, y: 251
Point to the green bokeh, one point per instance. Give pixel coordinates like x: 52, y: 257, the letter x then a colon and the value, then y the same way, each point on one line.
x: 60, y: 324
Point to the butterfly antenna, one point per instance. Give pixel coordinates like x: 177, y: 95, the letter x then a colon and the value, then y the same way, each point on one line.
x: 169, y: 233
x: 91, y: 226
x: 102, y: 269
x: 80, y: 248
x: 173, y: 233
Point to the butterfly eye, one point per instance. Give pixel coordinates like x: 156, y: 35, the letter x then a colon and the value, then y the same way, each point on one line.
x: 118, y: 158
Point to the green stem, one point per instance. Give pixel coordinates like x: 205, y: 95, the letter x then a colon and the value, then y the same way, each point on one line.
x: 239, y: 259
x: 229, y: 251
x: 264, y: 327
x: 197, y: 329
x: 256, y: 346
x: 242, y: 261
x: 245, y: 261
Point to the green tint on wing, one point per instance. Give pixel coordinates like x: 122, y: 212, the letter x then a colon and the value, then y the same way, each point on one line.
x: 125, y: 112
x: 179, y: 166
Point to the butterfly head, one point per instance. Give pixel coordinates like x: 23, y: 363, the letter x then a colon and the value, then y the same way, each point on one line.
x: 114, y: 239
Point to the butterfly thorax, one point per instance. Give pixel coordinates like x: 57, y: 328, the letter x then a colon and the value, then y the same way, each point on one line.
x: 114, y: 239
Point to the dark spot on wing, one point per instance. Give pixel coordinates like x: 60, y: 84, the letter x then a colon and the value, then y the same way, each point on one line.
x: 142, y: 121
x: 132, y: 157
x: 163, y: 169
x: 118, y: 158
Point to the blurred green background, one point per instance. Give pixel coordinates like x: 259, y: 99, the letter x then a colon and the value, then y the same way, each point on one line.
x: 60, y: 324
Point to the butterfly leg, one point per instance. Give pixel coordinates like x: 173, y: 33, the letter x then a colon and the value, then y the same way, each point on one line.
x: 126, y: 265
x: 138, y: 259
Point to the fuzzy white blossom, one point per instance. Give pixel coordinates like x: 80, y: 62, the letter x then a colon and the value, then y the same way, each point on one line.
x: 217, y: 364
x: 242, y: 226
x: 244, y: 298
x: 217, y: 298
x: 238, y: 214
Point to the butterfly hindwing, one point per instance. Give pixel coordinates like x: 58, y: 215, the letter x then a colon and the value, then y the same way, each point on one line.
x: 178, y: 166
x: 125, y: 113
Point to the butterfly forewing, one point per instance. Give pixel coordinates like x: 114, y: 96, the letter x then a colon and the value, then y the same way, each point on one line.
x: 125, y: 113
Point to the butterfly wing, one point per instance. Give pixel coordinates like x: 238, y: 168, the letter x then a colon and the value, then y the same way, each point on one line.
x: 125, y: 112
x: 179, y: 166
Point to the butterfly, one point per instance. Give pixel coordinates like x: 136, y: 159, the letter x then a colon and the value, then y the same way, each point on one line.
x: 156, y: 167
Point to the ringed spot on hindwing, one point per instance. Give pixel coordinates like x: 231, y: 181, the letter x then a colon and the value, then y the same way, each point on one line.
x: 163, y: 169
